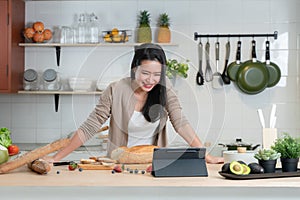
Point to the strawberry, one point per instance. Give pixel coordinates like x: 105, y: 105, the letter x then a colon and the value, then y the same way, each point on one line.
x: 149, y: 169
x: 117, y: 169
x: 72, y: 166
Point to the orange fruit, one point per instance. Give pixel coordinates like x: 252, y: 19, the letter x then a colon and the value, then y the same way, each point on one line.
x: 47, y: 34
x: 114, y: 31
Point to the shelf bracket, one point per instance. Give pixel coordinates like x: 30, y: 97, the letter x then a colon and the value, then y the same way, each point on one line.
x: 56, y: 101
x: 57, y: 48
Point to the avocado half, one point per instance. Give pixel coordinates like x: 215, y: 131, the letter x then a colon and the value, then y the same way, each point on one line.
x: 246, y: 169
x: 239, y: 168
x: 236, y: 168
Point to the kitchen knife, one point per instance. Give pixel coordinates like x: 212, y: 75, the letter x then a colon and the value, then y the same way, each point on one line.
x: 61, y: 163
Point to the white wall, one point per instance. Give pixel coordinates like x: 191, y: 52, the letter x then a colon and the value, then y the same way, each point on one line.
x: 217, y: 115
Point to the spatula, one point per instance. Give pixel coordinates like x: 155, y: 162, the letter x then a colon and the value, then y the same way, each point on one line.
x: 217, y: 81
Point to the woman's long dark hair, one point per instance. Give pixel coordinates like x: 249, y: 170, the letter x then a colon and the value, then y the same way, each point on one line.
x: 156, y: 100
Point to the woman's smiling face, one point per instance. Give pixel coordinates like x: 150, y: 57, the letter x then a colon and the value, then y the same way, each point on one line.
x: 148, y: 74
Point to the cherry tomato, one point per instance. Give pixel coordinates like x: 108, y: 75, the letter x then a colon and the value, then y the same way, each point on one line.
x: 13, y: 149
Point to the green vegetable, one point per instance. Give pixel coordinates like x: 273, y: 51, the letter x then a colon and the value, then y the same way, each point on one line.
x: 176, y: 68
x: 3, y: 154
x: 5, y: 139
x: 288, y: 146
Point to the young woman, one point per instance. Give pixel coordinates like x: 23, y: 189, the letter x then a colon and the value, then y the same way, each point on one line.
x: 138, y: 108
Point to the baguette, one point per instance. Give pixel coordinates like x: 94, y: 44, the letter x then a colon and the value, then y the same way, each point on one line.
x: 33, y: 155
x: 38, y: 153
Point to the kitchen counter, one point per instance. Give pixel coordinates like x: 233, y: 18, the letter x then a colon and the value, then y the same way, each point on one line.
x: 105, y: 184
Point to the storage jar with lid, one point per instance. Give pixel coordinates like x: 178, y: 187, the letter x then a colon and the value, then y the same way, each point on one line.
x: 51, y: 80
x: 30, y: 80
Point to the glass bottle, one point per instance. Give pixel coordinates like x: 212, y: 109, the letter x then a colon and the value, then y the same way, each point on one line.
x: 87, y: 28
x: 94, y: 29
x: 82, y: 29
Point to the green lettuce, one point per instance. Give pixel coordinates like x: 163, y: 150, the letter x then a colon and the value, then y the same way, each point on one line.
x: 5, y: 139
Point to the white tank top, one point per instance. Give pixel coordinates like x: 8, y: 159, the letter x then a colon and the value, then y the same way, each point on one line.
x: 140, y: 131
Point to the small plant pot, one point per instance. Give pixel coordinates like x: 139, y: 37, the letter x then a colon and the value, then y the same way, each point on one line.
x: 268, y: 165
x: 289, y: 164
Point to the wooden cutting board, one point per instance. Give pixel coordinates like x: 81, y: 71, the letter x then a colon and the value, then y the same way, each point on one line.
x: 104, y: 167
x: 137, y: 166
x: 95, y: 167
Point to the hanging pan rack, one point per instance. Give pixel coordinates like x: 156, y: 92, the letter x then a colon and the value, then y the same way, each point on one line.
x: 196, y: 35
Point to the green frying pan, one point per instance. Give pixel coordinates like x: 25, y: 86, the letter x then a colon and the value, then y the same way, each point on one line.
x: 234, y: 66
x: 252, y: 76
x: 274, y: 70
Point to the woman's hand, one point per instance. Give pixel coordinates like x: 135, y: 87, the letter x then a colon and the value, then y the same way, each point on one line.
x: 214, y: 160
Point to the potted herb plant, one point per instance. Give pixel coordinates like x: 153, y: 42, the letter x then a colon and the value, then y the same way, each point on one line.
x: 176, y: 68
x: 267, y: 158
x: 289, y: 147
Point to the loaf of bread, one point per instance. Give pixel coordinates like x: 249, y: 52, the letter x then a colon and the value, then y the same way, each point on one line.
x: 134, y: 155
x: 39, y: 166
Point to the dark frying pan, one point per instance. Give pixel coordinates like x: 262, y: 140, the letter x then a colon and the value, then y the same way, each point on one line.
x: 274, y: 70
x: 252, y: 76
x: 234, y: 66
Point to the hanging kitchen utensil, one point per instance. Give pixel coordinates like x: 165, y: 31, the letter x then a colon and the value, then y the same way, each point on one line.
x: 252, y: 76
x: 274, y: 70
x: 224, y: 75
x: 200, y: 78
x: 234, y: 66
x: 217, y: 77
x: 208, y: 70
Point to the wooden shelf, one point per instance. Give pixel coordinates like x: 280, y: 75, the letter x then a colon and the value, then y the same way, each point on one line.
x: 126, y: 44
x: 58, y: 93
x: 61, y: 92
x: 58, y: 46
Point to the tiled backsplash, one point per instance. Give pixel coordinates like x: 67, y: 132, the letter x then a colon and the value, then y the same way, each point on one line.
x: 217, y: 115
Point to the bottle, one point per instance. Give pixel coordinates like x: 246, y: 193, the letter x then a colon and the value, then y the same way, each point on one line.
x: 82, y: 29
x: 94, y: 29
x: 87, y: 28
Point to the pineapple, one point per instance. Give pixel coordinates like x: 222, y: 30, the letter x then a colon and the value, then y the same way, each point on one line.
x: 144, y: 34
x: 164, y: 33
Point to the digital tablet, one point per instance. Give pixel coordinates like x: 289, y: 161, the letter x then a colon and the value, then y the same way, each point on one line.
x: 179, y: 162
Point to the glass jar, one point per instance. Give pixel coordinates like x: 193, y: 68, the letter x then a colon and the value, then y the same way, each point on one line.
x: 30, y: 80
x: 67, y: 35
x: 51, y: 80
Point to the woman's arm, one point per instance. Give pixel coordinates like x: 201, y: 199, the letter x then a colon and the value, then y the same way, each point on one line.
x: 189, y: 135
x: 75, y: 142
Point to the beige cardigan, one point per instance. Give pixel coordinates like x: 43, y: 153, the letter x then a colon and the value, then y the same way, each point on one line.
x: 117, y: 102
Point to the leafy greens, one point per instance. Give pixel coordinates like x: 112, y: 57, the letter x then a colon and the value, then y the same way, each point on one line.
x: 5, y: 139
